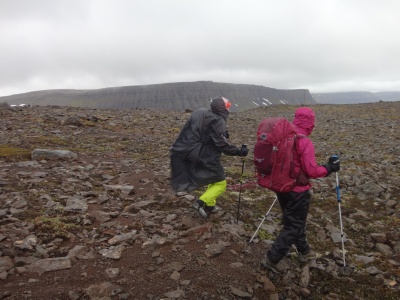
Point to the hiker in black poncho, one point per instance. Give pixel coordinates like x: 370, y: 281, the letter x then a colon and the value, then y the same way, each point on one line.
x: 196, y: 154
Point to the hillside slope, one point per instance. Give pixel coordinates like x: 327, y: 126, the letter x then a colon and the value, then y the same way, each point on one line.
x: 169, y: 96
x: 103, y: 222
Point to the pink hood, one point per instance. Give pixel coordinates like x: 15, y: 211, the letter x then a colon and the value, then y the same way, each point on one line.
x: 304, y: 119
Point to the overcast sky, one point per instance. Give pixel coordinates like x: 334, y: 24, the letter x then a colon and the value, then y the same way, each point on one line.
x: 320, y: 45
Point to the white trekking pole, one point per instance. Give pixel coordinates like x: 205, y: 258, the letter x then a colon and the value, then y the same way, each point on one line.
x: 340, y: 217
x: 344, y: 270
x: 265, y: 216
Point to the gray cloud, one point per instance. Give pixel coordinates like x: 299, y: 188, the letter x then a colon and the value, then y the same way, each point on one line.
x: 324, y: 46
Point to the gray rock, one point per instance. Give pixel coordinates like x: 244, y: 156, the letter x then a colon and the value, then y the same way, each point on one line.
x: 337, y: 238
x: 77, y: 251
x: 28, y: 243
x: 3, y: 275
x: 39, y: 154
x: 76, y: 203
x: 124, y: 189
x: 363, y: 259
x: 50, y: 264
x: 305, y: 276
x: 373, y: 270
x: 122, y: 238
x: 384, y: 249
x: 214, y: 249
x: 102, y: 290
x: 175, y: 276
x: 379, y: 237
x: 113, y: 252
x: 112, y: 272
x: 241, y: 294
x: 5, y: 263
x: 177, y: 294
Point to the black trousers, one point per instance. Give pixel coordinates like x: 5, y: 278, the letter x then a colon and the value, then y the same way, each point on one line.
x: 295, y: 208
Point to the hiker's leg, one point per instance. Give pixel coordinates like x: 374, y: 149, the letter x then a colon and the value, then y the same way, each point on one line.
x: 213, y: 191
x: 282, y: 200
x: 304, y: 205
x: 294, y: 216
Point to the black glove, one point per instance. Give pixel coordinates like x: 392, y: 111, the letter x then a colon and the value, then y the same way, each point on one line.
x: 243, y: 151
x: 333, y: 165
x: 227, y: 134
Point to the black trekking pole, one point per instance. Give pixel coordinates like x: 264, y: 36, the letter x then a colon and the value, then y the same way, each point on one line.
x: 240, y: 188
x: 265, y: 216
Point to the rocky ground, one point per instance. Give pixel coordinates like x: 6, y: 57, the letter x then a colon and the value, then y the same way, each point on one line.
x: 98, y: 220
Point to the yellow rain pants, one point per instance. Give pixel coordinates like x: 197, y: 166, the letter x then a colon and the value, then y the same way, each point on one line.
x: 213, y: 191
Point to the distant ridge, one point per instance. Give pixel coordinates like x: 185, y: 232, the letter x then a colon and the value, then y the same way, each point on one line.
x: 355, y: 97
x: 168, y: 96
x: 389, y: 96
x: 345, y: 97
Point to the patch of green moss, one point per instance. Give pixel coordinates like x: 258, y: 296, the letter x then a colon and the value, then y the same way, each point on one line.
x: 56, y: 226
x: 14, y: 153
x: 43, y: 140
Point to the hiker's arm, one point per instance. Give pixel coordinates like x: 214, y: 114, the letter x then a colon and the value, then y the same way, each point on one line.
x: 308, y: 161
x: 218, y: 136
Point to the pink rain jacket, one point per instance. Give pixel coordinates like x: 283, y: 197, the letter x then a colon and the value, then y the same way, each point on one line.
x: 304, y: 121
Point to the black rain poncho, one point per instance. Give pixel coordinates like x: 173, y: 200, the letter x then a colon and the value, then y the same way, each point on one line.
x: 196, y: 153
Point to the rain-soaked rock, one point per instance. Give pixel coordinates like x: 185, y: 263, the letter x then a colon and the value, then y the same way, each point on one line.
x: 72, y: 120
x: 5, y: 263
x: 125, y: 189
x: 372, y: 270
x: 103, y: 290
x: 122, y: 238
x: 154, y: 242
x: 379, y: 237
x: 76, y: 203
x: 214, y: 249
x: 198, y: 229
x: 39, y: 154
x: 50, y: 264
x: 28, y: 243
x: 384, y: 249
x: 112, y: 272
x: 114, y: 252
x: 267, y: 284
x: 135, y: 207
x: 305, y: 276
x: 364, y: 259
x: 176, y: 294
x: 234, y: 230
x: 337, y: 237
x: 77, y: 251
x: 240, y: 293
x: 391, y: 204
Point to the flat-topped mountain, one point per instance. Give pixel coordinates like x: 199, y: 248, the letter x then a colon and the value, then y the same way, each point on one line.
x: 355, y: 97
x: 169, y: 96
x: 389, y: 96
x: 345, y: 97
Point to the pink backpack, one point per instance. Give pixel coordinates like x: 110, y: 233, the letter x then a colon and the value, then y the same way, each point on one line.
x: 274, y: 154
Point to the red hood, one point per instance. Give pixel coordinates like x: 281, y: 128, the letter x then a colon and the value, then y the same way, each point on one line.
x: 304, y: 119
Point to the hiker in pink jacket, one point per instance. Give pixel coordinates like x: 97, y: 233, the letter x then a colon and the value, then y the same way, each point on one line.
x: 295, y: 204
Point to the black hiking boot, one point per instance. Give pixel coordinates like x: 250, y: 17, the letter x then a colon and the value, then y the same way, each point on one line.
x: 199, y: 206
x: 306, y: 257
x: 274, y: 267
x: 212, y: 209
